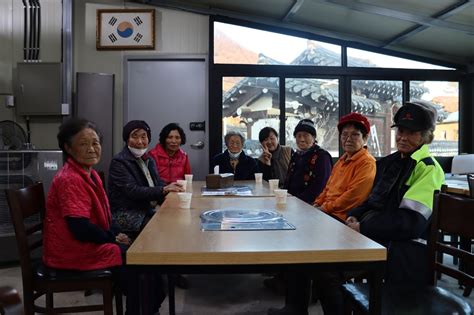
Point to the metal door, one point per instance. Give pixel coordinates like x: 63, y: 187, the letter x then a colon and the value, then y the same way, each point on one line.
x: 170, y: 89
x: 95, y: 101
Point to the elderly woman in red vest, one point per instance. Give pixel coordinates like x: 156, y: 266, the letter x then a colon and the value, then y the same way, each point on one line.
x: 78, y: 231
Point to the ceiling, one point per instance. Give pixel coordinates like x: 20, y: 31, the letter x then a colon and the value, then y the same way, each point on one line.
x: 436, y: 29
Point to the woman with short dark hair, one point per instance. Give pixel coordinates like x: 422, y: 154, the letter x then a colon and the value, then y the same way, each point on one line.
x: 78, y: 231
x: 275, y: 158
x: 171, y: 160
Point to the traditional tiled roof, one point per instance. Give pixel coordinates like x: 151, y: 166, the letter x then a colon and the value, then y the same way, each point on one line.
x: 367, y: 95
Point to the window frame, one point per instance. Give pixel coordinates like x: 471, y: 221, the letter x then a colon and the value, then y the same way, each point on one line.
x: 344, y: 74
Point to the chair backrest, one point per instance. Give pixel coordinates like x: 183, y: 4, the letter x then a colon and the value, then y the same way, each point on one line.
x: 453, y: 215
x: 25, y: 203
x: 470, y: 181
x: 463, y: 164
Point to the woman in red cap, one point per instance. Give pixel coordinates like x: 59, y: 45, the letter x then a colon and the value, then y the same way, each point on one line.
x: 353, y: 174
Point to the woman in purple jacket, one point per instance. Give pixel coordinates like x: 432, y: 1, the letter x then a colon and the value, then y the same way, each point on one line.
x: 310, y: 166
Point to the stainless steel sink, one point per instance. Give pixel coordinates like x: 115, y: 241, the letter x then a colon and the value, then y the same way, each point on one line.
x: 242, y: 219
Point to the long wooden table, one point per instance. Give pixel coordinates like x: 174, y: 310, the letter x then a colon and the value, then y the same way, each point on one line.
x: 174, y: 241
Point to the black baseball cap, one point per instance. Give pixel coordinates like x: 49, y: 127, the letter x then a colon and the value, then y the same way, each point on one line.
x: 416, y: 116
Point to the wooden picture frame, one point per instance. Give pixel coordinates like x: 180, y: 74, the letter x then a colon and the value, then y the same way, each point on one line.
x: 125, y: 29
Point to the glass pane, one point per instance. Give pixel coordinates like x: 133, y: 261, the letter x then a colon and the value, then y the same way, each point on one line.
x: 377, y: 99
x: 318, y: 100
x: 248, y: 105
x: 243, y: 45
x: 445, y: 97
x: 363, y: 58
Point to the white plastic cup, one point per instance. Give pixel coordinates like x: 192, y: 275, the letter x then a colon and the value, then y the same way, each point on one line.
x: 258, y: 178
x: 280, y: 196
x: 189, y: 178
x: 183, y: 183
x: 184, y: 200
x: 273, y: 184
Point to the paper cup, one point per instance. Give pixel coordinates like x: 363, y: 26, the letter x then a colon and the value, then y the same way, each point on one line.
x: 183, y: 183
x: 280, y: 196
x: 184, y: 200
x: 273, y: 183
x: 258, y: 178
x: 189, y: 178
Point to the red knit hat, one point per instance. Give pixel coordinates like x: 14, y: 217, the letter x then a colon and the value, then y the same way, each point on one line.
x: 354, y: 118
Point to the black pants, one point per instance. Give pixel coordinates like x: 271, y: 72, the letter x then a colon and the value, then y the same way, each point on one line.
x: 144, y: 291
x: 328, y: 287
x: 144, y: 288
x: 406, y: 264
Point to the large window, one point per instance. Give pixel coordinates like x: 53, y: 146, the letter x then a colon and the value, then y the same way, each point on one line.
x: 363, y: 58
x: 378, y: 100
x: 315, y: 99
x: 444, y: 96
x: 248, y: 105
x: 254, y: 95
x: 235, y: 44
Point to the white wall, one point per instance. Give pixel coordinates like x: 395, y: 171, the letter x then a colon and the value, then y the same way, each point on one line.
x: 43, y: 129
x: 176, y: 32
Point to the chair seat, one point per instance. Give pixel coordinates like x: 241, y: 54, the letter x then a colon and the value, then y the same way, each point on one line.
x: 45, y: 273
x: 421, y: 300
x: 39, y: 280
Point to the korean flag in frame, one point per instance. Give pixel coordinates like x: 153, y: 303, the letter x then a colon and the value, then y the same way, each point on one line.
x: 125, y: 29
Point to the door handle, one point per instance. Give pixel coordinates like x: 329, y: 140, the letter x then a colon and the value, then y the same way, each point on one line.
x: 198, y: 145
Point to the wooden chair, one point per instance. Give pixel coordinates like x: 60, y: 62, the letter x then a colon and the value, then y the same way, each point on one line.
x: 456, y: 241
x: 470, y: 181
x: 467, y: 243
x: 453, y: 239
x: 39, y: 280
x: 453, y: 215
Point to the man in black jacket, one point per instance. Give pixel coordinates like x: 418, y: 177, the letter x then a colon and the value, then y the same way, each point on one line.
x: 396, y: 214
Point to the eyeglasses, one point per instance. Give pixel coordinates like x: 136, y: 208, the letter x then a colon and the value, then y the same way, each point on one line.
x: 354, y: 136
x: 235, y: 144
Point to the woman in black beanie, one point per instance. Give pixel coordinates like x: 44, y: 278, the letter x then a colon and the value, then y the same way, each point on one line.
x: 310, y: 166
x: 135, y: 188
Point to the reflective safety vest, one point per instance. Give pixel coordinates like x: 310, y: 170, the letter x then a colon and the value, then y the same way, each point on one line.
x: 425, y: 179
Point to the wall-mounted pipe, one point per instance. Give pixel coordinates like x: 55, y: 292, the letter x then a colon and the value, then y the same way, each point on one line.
x: 25, y: 26
x: 67, y: 53
x: 38, y: 30
x: 30, y: 32
x: 33, y: 29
